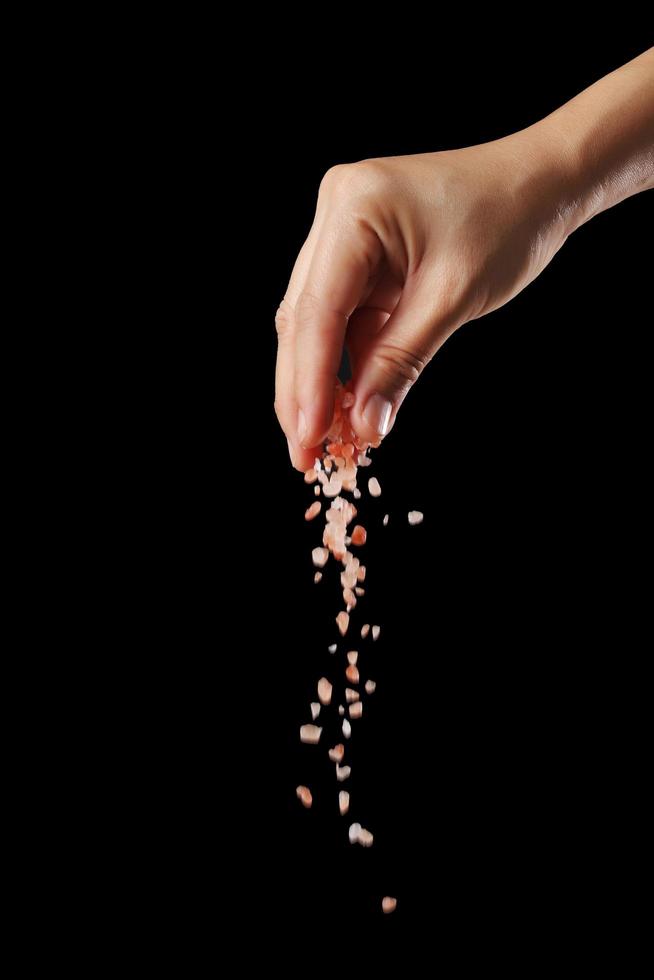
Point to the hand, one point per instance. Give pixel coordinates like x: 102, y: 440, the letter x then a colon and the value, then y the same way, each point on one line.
x: 403, y: 250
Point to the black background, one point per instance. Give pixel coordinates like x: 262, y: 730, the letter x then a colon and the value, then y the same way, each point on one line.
x: 497, y: 755
x: 486, y: 763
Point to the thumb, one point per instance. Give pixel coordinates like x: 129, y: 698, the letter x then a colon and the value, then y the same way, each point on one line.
x: 388, y: 361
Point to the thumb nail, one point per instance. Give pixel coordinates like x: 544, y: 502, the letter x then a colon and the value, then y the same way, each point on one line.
x: 377, y: 413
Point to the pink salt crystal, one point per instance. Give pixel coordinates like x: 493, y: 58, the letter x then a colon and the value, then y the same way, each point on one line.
x: 328, y: 465
x: 365, y: 629
x: 324, y: 691
x: 352, y: 674
x: 316, y: 490
x: 359, y: 591
x: 342, y: 621
x: 415, y: 517
x: 356, y: 709
x: 317, y: 577
x: 361, y: 573
x: 347, y: 728
x: 349, y: 599
x: 342, y: 772
x: 350, y: 484
x: 310, y: 734
x: 310, y: 476
x: 348, y: 579
x: 333, y: 488
x: 365, y: 838
x: 336, y: 754
x: 351, y: 695
x: 323, y: 479
x: 315, y: 710
x: 376, y: 630
x: 343, y: 802
x: 348, y: 450
x: 356, y: 493
x: 348, y: 400
x: 317, y: 465
x: 352, y: 657
x: 332, y: 648
x: 353, y: 832
x: 312, y: 511
x: 385, y: 521
x: 363, y: 460
x: 388, y: 904
x: 370, y: 687
x: 374, y: 488
x: 359, y: 535
x: 319, y: 557
x: 341, y: 710
x: 304, y: 796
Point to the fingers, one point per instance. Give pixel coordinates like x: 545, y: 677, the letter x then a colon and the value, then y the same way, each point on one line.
x: 390, y: 353
x: 345, y: 258
x: 285, y: 403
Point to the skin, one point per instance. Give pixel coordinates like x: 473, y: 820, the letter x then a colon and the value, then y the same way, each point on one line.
x: 404, y: 250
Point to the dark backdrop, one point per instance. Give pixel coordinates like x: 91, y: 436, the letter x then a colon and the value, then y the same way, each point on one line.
x: 486, y: 764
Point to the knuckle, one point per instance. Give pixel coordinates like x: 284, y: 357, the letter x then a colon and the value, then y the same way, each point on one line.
x: 402, y: 366
x: 364, y: 180
x: 283, y: 320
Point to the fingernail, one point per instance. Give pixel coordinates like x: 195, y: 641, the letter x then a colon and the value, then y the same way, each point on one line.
x: 377, y: 413
x: 301, y: 427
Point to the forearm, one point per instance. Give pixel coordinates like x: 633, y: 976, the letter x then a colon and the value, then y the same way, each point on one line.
x: 604, y: 141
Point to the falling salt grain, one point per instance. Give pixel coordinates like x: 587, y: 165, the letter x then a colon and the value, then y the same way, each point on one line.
x: 385, y: 521
x: 356, y: 709
x: 319, y: 557
x: 310, y: 476
x: 317, y: 578
x: 351, y: 695
x: 359, y: 591
x: 359, y: 535
x: 388, y: 904
x: 365, y: 838
x: 349, y: 599
x: 376, y: 630
x: 352, y: 674
x: 352, y: 657
x: 370, y: 687
x: 304, y: 796
x: 310, y: 734
x: 324, y: 691
x: 365, y: 629
x: 363, y: 460
x: 347, y: 728
x: 361, y: 573
x: 336, y: 754
x: 374, y: 489
x: 315, y: 710
x: 353, y: 832
x: 342, y: 772
x: 415, y: 517
x: 356, y: 493
x: 342, y: 620
x: 316, y: 490
x: 332, y: 648
x: 312, y: 511
x: 343, y: 802
x: 341, y: 710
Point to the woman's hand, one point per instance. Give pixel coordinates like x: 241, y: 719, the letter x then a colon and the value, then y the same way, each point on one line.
x: 403, y: 250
